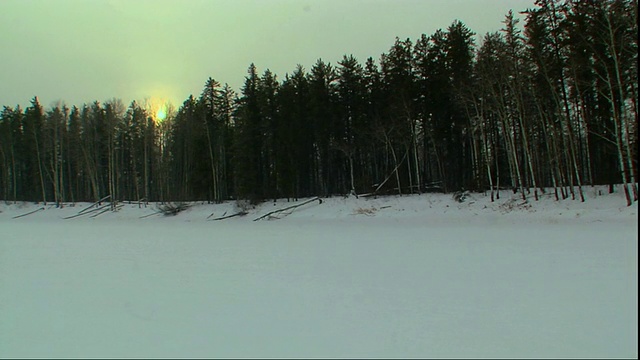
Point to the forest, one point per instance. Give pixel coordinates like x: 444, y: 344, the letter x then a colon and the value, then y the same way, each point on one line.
x: 549, y: 105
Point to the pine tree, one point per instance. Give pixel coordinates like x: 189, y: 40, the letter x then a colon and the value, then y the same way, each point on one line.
x: 11, y: 144
x: 322, y: 93
x: 248, y: 141
x: 32, y: 126
x: 267, y: 91
x: 295, y: 138
x: 351, y: 122
x: 400, y: 131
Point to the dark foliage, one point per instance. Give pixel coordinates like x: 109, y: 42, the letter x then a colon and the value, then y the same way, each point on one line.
x: 551, y: 104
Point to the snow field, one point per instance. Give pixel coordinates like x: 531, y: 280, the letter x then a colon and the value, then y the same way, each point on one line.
x: 413, y: 276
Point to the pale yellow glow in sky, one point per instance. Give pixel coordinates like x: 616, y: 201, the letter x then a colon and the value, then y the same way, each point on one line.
x: 157, y: 107
x: 84, y: 50
x: 161, y: 114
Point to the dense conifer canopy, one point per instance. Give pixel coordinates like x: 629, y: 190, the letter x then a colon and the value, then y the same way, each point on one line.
x: 551, y: 105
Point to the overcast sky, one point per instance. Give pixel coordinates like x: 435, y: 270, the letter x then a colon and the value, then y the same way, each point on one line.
x: 79, y: 51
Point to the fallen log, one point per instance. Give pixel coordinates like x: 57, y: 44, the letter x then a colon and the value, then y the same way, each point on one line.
x: 210, y: 215
x: 389, y: 176
x: 88, y: 212
x: 148, y: 215
x: 288, y: 208
x: 29, y: 213
x: 94, y: 204
x: 241, y: 213
x: 116, y: 208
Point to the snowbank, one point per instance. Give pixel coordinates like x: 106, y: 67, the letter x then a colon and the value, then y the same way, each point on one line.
x: 411, y: 276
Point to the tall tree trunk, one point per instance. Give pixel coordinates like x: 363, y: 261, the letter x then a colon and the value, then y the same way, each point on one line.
x: 214, y: 176
x: 40, y: 174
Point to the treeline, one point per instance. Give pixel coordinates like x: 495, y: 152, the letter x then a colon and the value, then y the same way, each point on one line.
x: 552, y: 106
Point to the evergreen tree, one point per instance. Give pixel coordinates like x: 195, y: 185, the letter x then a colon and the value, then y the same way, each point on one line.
x: 322, y: 93
x: 248, y: 141
x: 295, y: 139
x: 32, y: 125
x: 400, y: 129
x: 351, y: 125
x: 267, y: 90
x: 553, y: 106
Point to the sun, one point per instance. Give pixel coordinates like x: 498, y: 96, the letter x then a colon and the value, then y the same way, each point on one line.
x: 161, y: 114
x: 159, y: 109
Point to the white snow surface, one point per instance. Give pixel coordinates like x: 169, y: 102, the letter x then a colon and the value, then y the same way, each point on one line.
x: 418, y: 276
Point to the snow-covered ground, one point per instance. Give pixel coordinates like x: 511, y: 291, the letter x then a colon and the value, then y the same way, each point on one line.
x: 412, y: 276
